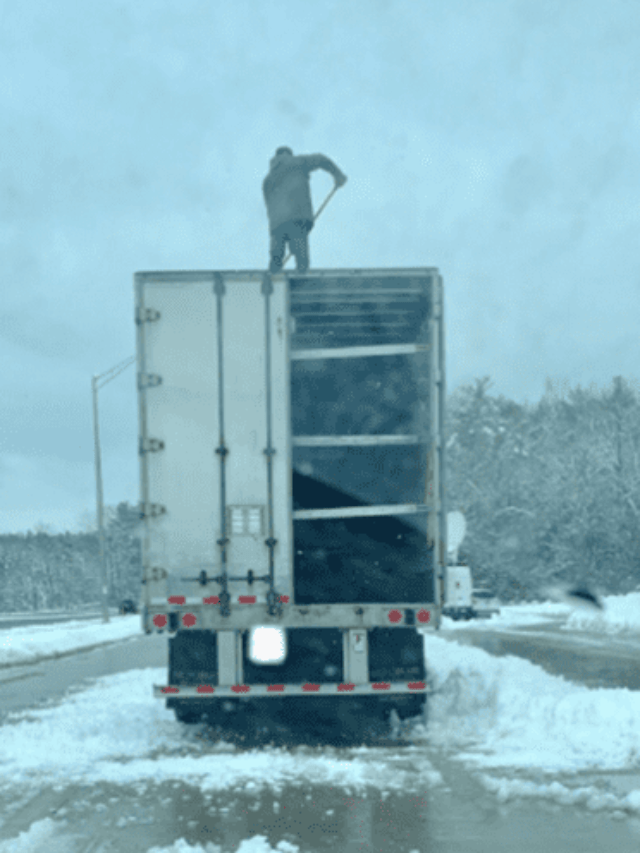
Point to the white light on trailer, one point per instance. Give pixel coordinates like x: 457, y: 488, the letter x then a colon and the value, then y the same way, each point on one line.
x: 267, y: 645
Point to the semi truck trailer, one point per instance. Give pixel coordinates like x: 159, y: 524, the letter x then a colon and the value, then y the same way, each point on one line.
x: 292, y: 484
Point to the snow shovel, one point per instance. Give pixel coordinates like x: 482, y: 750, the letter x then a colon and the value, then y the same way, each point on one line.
x: 315, y: 216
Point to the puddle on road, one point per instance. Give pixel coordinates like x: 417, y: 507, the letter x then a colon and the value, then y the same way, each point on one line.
x: 459, y: 814
x: 316, y: 820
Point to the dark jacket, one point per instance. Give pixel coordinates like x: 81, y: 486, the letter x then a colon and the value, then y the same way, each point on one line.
x: 286, y: 188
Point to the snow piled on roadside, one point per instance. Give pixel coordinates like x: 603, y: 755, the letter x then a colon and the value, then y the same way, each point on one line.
x: 27, y: 644
x: 621, y: 615
x: 116, y: 732
x: 508, y: 712
x: 505, y: 713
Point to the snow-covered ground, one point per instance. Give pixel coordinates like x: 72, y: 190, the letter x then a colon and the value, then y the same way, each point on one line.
x: 522, y: 732
x: 620, y: 614
x: 36, y: 642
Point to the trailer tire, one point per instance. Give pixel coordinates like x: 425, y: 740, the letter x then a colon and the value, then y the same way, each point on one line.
x: 190, y: 718
x: 185, y: 711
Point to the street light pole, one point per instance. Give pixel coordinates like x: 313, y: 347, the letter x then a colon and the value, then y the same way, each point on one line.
x: 99, y: 502
x: 95, y: 386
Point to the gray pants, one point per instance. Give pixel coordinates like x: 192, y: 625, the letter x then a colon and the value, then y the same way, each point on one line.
x: 296, y: 234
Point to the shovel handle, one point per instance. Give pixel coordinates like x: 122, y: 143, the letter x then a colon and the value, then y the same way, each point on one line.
x: 315, y: 216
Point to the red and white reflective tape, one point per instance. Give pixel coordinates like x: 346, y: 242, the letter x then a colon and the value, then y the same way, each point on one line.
x: 213, y: 599
x: 265, y: 690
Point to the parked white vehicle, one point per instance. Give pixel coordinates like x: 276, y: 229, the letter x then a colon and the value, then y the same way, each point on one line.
x: 461, y: 599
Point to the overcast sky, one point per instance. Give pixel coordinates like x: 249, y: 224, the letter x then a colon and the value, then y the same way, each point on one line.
x: 496, y: 140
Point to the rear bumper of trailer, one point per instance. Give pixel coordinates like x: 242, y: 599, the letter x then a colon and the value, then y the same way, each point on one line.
x: 262, y: 691
x: 188, y: 613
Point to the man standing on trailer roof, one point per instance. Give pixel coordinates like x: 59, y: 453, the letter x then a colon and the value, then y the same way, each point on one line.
x: 288, y: 198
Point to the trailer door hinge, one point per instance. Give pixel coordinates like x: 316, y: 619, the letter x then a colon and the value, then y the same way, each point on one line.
x: 150, y: 445
x: 152, y: 510
x: 146, y: 315
x: 148, y: 380
x: 156, y: 574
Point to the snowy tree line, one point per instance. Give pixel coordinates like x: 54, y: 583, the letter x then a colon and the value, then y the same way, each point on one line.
x: 550, y: 491
x: 44, y: 571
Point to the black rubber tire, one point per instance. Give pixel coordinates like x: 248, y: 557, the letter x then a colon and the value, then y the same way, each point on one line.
x: 186, y: 712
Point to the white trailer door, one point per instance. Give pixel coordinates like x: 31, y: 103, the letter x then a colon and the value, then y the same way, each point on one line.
x: 213, y: 363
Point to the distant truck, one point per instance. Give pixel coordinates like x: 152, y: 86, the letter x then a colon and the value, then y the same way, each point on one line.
x: 292, y: 487
x: 462, y: 600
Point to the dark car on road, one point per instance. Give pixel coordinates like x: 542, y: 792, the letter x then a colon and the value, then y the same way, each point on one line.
x: 128, y: 606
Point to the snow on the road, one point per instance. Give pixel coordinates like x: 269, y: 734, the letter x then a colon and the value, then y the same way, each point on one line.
x: 31, y: 643
x: 506, y: 712
x: 522, y: 732
x: 517, y: 727
x: 115, y: 731
x: 257, y: 844
x: 49, y: 835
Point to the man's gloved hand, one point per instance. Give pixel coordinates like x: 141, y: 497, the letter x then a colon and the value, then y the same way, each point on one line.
x: 341, y: 180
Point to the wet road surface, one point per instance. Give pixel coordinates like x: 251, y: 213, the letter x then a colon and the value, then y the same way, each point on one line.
x: 585, y: 658
x: 22, y: 620
x: 462, y: 818
x: 451, y: 817
x: 22, y: 687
